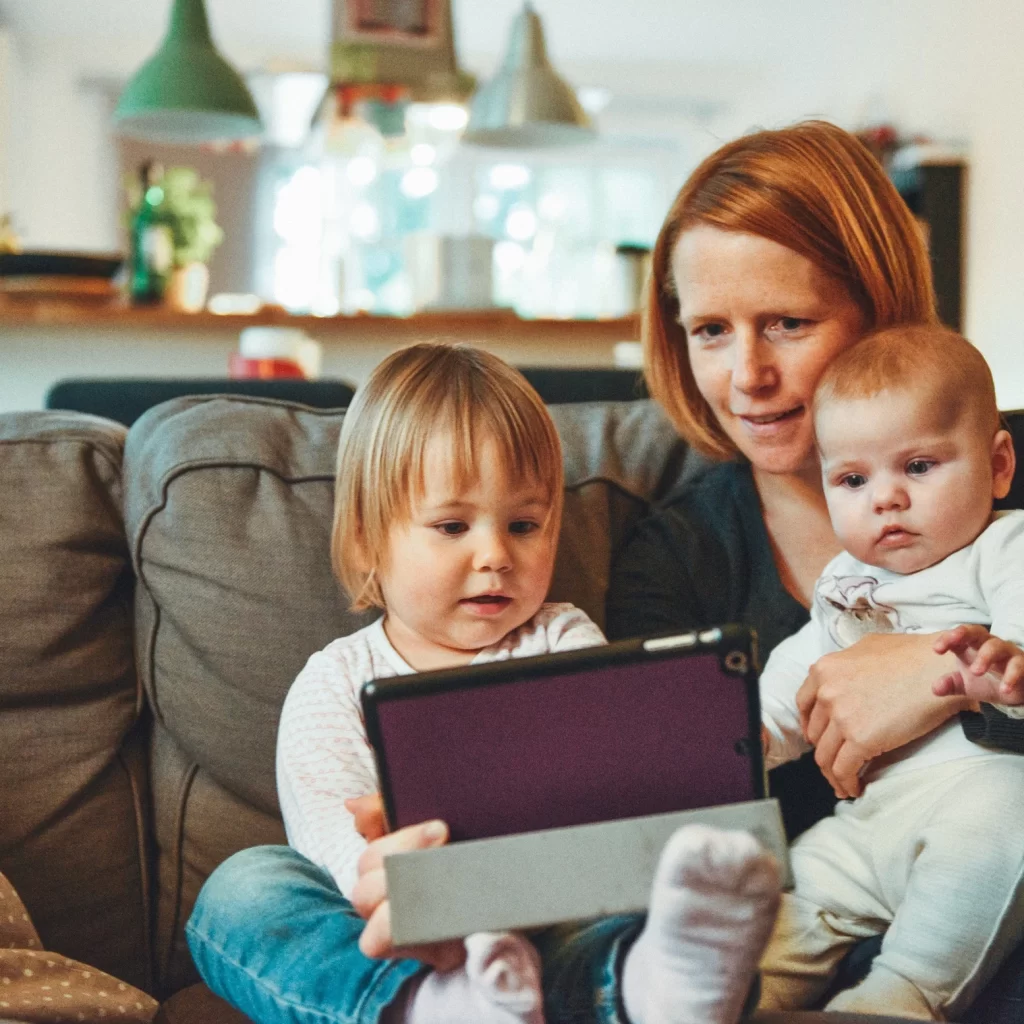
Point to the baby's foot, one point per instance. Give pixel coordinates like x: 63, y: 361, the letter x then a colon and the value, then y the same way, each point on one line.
x: 499, y: 984
x: 713, y: 905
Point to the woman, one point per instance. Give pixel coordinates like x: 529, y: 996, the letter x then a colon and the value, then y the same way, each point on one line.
x: 781, y: 250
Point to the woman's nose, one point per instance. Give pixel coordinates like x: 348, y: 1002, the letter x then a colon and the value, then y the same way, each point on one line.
x: 753, y: 369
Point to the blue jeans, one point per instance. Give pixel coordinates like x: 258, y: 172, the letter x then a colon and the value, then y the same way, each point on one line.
x: 272, y: 935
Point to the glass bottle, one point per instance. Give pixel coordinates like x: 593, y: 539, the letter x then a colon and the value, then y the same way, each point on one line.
x: 152, y: 244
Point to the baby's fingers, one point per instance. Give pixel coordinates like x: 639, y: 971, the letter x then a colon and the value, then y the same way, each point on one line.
x: 949, y: 685
x: 960, y: 638
x: 992, y: 654
x: 1012, y: 689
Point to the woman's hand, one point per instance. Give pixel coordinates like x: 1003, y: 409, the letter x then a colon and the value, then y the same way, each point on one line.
x: 988, y: 669
x: 370, y: 897
x: 873, y: 697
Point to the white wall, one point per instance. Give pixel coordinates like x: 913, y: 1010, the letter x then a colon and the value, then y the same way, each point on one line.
x: 700, y: 72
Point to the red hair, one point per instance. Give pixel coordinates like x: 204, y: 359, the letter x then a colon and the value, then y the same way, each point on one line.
x: 815, y: 189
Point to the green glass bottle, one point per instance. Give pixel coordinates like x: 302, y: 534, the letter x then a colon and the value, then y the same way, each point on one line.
x: 151, y: 241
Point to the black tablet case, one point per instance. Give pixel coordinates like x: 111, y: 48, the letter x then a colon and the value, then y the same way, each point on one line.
x: 632, y: 729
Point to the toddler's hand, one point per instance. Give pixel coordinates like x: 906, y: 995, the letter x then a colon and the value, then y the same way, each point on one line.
x: 991, y: 669
x: 368, y: 812
x: 370, y: 898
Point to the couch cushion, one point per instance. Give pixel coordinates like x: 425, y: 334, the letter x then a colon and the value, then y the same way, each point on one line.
x: 71, y: 761
x: 228, y: 509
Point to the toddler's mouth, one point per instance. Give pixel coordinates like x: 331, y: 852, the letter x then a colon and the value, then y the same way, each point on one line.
x: 487, y: 600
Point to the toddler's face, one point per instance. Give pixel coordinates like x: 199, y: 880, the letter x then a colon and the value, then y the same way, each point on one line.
x: 470, y: 565
x: 905, y: 489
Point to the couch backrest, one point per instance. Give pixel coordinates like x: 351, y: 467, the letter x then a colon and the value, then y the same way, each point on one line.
x: 73, y: 801
x: 227, y: 511
x: 228, y: 514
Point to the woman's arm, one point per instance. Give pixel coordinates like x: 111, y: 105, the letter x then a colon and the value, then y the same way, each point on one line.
x: 873, y: 697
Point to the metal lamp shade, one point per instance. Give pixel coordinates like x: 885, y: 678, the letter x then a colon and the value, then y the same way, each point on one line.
x: 527, y: 103
x: 186, y: 92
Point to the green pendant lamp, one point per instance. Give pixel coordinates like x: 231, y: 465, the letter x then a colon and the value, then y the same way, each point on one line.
x: 187, y: 92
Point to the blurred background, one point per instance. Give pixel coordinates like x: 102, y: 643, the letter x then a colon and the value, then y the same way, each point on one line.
x: 364, y: 197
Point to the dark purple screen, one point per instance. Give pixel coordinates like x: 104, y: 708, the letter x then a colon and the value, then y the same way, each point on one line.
x: 611, y: 742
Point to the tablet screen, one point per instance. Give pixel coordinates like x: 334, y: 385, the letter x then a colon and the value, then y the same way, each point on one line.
x: 602, y: 742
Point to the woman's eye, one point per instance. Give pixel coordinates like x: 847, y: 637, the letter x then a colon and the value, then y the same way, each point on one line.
x: 789, y: 324
x: 853, y: 481
x: 452, y: 528
x: 708, y: 333
x: 523, y: 526
x: 918, y: 467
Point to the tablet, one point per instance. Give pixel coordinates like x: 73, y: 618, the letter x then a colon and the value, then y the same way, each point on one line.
x: 635, y: 728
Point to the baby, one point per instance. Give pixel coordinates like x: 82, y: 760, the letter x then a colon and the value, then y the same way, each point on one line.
x: 932, y: 853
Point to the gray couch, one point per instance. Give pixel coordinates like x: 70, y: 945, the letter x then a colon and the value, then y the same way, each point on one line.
x: 159, y: 590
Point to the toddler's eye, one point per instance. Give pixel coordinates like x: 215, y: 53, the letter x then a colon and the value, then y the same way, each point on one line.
x: 791, y: 323
x: 853, y: 481
x: 919, y: 467
x: 523, y: 526
x: 452, y: 528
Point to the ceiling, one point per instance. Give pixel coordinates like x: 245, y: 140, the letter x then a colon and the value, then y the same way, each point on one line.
x: 577, y: 30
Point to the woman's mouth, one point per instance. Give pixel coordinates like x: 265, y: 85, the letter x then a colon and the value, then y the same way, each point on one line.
x: 765, y: 422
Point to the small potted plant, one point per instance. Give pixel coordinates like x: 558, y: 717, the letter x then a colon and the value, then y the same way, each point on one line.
x: 182, y: 204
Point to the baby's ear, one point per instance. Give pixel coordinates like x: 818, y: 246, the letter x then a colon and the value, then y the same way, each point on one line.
x: 1004, y: 463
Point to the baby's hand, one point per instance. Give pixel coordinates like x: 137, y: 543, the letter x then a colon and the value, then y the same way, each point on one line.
x: 991, y: 670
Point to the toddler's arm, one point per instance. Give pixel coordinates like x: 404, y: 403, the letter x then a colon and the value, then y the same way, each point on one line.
x: 990, y: 669
x: 323, y: 759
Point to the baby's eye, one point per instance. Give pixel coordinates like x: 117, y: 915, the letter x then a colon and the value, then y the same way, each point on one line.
x: 918, y: 467
x: 451, y: 528
x: 521, y: 527
x: 853, y: 481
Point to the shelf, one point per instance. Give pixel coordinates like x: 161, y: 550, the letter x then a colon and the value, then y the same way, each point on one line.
x: 494, y: 323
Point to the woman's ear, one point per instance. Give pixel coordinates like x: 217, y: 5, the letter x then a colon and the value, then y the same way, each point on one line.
x: 1004, y: 463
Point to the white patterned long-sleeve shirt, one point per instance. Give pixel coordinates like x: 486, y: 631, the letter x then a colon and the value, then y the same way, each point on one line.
x: 323, y: 754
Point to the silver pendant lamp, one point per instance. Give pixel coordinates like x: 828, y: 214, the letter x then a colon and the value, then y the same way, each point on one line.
x: 527, y: 103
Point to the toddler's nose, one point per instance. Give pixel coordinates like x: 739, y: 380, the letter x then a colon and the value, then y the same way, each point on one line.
x: 493, y: 554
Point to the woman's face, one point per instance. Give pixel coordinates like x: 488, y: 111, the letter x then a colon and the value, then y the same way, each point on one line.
x: 762, y: 322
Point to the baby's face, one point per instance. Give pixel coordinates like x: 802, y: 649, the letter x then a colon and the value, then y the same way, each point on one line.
x: 906, y: 488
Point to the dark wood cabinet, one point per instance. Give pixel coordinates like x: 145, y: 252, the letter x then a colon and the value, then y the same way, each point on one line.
x: 934, y: 191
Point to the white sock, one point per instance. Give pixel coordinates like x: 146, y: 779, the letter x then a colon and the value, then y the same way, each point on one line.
x: 713, y: 905
x: 498, y: 984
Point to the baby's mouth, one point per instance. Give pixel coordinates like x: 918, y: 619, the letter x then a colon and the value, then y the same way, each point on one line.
x: 487, y: 600
x: 894, y: 535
